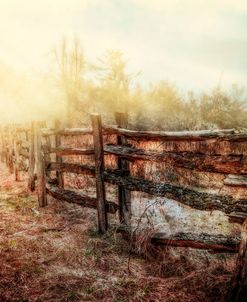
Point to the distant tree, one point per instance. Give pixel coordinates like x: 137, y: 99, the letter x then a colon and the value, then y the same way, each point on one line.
x: 112, y: 88
x: 114, y: 81
x: 224, y: 110
x: 71, y: 67
x: 165, y: 105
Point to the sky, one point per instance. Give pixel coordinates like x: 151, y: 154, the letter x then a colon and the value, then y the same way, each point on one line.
x: 195, y: 44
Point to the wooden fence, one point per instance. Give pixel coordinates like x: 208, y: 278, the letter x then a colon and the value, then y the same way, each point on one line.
x: 214, y: 155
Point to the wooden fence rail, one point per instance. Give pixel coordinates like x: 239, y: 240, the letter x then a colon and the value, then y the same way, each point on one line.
x: 34, y: 144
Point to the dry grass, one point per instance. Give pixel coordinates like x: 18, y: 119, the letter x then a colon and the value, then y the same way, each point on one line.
x: 55, y: 254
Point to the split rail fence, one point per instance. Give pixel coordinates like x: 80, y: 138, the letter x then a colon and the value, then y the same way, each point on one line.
x: 35, y: 143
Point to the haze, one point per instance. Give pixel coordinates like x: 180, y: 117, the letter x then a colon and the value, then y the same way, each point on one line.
x: 195, y: 44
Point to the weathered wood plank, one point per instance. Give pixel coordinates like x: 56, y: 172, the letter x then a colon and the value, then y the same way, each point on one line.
x: 41, y: 181
x: 10, y: 151
x: 79, y: 198
x: 124, y: 198
x: 237, y: 217
x: 200, y: 135
x: 59, y: 159
x: 31, y: 166
x: 226, y: 164
x: 3, y: 146
x: 71, y: 168
x: 218, y: 242
x: 187, y: 196
x: 238, y: 290
x: 212, y: 242
x: 46, y: 147
x: 67, y: 131
x: 17, y: 158
x: 228, y: 134
x: 99, y: 169
x: 70, y: 151
x: 236, y: 180
x: 190, y: 197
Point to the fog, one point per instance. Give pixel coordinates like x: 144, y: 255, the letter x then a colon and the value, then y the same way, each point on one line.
x: 161, y: 50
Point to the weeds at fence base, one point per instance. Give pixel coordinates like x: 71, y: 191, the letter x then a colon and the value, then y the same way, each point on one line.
x: 55, y: 254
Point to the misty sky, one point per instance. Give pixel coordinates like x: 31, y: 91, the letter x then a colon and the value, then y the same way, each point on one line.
x: 195, y: 44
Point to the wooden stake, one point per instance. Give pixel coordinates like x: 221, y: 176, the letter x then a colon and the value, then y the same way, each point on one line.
x: 2, y: 146
x: 99, y: 169
x: 17, y: 157
x: 124, y: 196
x: 40, y: 164
x: 31, y: 167
x: 59, y: 159
x: 10, y: 151
x: 238, y: 291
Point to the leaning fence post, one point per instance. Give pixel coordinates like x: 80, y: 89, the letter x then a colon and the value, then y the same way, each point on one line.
x: 99, y: 169
x: 124, y: 196
x: 40, y: 163
x: 59, y: 159
x: 31, y: 166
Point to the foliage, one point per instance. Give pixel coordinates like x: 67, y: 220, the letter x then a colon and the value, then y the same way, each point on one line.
x: 107, y: 87
x: 75, y: 87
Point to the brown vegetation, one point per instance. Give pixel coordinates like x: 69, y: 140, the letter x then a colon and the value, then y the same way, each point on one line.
x: 55, y: 254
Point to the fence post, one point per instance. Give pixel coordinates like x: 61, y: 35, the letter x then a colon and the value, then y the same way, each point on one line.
x: 6, y: 146
x: 10, y: 151
x: 99, y: 169
x: 238, y: 290
x: 47, y: 154
x: 17, y: 156
x: 124, y: 196
x: 40, y: 164
x: 59, y: 159
x: 31, y: 167
x: 2, y: 146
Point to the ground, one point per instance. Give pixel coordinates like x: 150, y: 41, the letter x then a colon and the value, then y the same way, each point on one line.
x: 55, y: 254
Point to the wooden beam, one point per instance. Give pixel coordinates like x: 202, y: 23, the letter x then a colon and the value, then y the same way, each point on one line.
x: 124, y: 197
x: 31, y: 166
x: 3, y: 146
x: 46, y: 147
x: 217, y: 243
x: 190, y: 197
x: 99, y: 169
x: 67, y: 131
x: 59, y: 159
x: 226, y: 164
x: 40, y: 162
x: 200, y: 135
x: 79, y: 198
x: 203, y: 241
x: 10, y: 151
x: 238, y: 285
x: 237, y: 217
x: 17, y: 158
x: 70, y: 151
x: 187, y: 196
x: 236, y: 180
x: 71, y: 168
